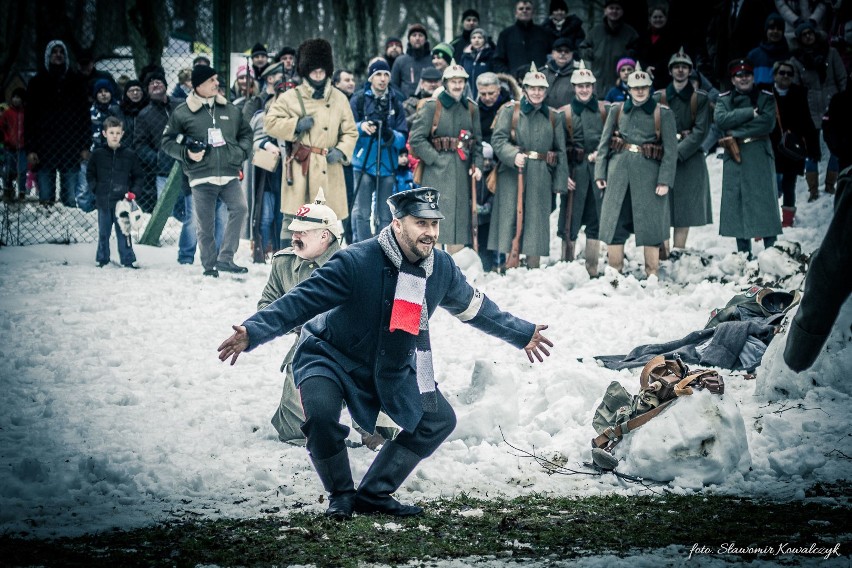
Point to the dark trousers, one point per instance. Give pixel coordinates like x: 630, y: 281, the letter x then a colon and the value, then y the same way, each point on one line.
x: 787, y: 188
x: 107, y: 222
x: 322, y: 400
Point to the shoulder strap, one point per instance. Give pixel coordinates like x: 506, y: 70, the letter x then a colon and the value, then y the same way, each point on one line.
x: 602, y: 110
x: 301, y: 102
x: 436, y: 117
x: 551, y: 114
x: 664, y: 100
x: 657, y: 121
x: 569, y: 121
x: 516, y: 113
x: 693, y: 105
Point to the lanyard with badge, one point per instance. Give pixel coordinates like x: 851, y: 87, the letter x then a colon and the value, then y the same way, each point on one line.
x: 214, y: 135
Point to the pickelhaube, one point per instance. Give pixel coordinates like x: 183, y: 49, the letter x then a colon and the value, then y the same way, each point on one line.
x: 535, y: 78
x: 638, y: 78
x: 582, y: 75
x: 454, y: 70
x: 316, y: 215
x: 681, y: 57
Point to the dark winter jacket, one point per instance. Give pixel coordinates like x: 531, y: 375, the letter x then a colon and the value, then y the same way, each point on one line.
x: 654, y: 48
x: 764, y: 57
x: 192, y: 119
x: 835, y: 127
x: 793, y: 110
x: 602, y: 49
x: 477, y: 63
x: 405, y: 74
x: 389, y: 112
x: 97, y: 114
x: 112, y: 173
x: 57, y: 119
x: 149, y: 130
x: 130, y: 113
x: 519, y: 44
x: 572, y: 28
x: 560, y: 90
x: 345, y: 310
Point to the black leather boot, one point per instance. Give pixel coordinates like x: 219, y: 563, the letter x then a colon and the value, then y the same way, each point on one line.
x: 387, y: 472
x: 336, y: 478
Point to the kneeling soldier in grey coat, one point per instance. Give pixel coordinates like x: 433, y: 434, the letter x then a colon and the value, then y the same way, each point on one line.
x: 365, y: 341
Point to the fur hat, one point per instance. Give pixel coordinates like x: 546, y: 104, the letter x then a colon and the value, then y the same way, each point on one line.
x: 454, y: 70
x: 638, y: 78
x: 314, y: 54
x: 286, y: 50
x: 316, y: 215
x: 582, y: 76
x: 201, y: 73
x: 535, y: 78
x: 681, y: 57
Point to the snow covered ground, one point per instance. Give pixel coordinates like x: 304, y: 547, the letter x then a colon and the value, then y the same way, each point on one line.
x: 116, y: 412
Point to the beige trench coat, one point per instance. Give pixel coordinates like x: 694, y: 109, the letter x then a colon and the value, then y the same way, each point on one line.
x: 334, y: 127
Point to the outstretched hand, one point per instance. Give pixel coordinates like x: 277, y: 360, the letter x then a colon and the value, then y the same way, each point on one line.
x: 236, y: 344
x: 536, y: 346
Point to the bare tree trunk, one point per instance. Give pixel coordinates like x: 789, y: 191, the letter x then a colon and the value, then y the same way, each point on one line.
x: 148, y: 26
x: 356, y: 40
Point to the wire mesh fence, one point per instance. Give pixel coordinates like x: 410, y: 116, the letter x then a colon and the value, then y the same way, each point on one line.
x: 45, y: 194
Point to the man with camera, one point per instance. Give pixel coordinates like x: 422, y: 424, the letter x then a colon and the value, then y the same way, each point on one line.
x: 382, y: 133
x: 211, y: 140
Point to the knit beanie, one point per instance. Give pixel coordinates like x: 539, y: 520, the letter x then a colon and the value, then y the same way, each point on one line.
x: 624, y: 61
x: 378, y: 66
x: 773, y: 18
x: 417, y: 28
x: 154, y: 75
x: 393, y: 40
x: 445, y: 50
x: 470, y: 12
x: 259, y: 49
x: 803, y: 26
x: 201, y: 73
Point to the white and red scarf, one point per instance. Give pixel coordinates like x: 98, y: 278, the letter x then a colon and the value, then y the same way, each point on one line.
x: 410, y: 313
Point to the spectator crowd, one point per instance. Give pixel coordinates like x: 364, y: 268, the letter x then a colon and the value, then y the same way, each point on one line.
x: 608, y: 122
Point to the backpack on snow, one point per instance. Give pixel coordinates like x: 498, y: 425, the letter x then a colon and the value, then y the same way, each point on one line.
x: 661, y: 382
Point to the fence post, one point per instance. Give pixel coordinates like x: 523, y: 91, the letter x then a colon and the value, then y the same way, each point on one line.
x: 165, y: 204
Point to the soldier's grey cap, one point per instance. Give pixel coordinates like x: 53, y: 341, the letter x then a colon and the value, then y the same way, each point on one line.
x: 430, y: 74
x: 421, y: 202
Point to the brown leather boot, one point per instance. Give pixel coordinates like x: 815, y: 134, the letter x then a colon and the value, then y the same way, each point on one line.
x: 652, y: 260
x: 830, y: 180
x: 813, y: 185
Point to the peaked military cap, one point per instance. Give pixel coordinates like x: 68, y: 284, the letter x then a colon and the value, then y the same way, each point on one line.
x: 421, y: 202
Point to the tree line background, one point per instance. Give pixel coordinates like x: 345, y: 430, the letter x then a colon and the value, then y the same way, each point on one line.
x: 141, y: 29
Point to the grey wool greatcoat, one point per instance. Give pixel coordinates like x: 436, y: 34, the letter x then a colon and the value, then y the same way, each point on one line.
x: 631, y: 170
x: 689, y: 198
x: 538, y: 130
x: 749, y: 194
x: 586, y: 127
x: 446, y: 171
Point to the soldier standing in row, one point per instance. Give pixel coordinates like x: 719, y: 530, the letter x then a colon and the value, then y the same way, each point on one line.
x: 749, y: 195
x: 636, y: 163
x: 690, y: 196
x: 529, y: 142
x: 584, y: 121
x: 316, y: 118
x: 447, y: 137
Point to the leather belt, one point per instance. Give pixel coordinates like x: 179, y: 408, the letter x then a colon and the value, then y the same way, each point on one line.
x: 752, y: 139
x: 536, y: 155
x: 320, y: 151
x: 635, y: 148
